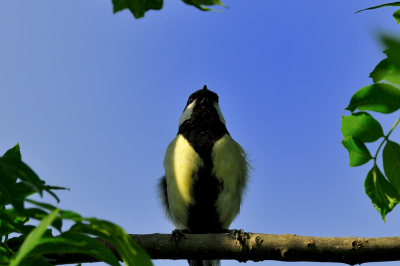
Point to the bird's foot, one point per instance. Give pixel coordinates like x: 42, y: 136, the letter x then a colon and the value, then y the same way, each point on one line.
x: 239, y: 235
x: 177, y: 234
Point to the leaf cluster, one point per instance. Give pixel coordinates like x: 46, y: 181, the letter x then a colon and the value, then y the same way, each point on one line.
x: 360, y: 128
x: 139, y: 7
x: 33, y: 245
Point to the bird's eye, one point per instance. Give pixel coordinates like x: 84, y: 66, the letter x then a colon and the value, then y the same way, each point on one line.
x: 190, y: 100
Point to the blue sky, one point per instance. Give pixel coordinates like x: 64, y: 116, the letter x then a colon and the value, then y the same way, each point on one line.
x: 94, y: 99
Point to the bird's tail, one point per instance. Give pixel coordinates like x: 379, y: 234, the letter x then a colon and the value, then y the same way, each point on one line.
x: 204, y: 262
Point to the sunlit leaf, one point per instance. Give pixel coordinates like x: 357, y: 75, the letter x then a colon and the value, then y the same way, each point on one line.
x: 75, y: 243
x: 385, y: 70
x: 396, y: 16
x: 381, y: 97
x: 21, y: 219
x: 33, y: 238
x: 388, y: 68
x: 391, y: 163
x: 358, y: 152
x: 39, y: 214
x: 8, y: 224
x: 393, y: 77
x: 130, y: 252
x: 382, y: 194
x: 361, y: 125
x: 375, y: 7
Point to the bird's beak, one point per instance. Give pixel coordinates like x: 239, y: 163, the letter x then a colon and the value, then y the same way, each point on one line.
x: 204, y: 101
x: 204, y: 96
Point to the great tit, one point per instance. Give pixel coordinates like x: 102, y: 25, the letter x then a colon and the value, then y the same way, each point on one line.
x: 206, y: 171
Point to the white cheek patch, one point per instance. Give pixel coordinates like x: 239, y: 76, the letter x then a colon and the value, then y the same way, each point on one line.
x: 221, y: 117
x: 187, y: 112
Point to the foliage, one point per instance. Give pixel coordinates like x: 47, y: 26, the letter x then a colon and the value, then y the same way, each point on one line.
x: 139, y: 7
x: 30, y: 244
x: 396, y: 14
x: 360, y: 128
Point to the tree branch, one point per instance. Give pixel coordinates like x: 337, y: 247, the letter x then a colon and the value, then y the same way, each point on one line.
x: 258, y: 247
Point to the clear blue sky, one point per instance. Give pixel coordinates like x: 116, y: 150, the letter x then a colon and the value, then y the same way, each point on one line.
x: 94, y: 99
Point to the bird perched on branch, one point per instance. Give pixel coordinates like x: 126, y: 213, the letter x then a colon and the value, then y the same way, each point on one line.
x: 206, y: 171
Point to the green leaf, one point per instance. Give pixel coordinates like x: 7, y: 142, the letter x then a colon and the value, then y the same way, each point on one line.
x: 4, y: 256
x: 130, y: 252
x: 209, y: 2
x: 21, y: 219
x: 9, y: 191
x: 381, y: 97
x: 63, y: 214
x: 382, y: 194
x: 33, y: 239
x: 39, y: 214
x: 119, y: 5
x: 393, y: 77
x: 10, y: 170
x: 76, y: 243
x: 14, y: 152
x: 9, y: 225
x: 388, y: 68
x: 361, y: 125
x: 391, y: 163
x: 15, y: 242
x: 16, y: 168
x: 137, y: 7
x: 358, y: 152
x: 393, y: 50
x: 37, y: 262
x: 396, y: 16
x: 385, y: 70
x: 375, y: 7
x: 22, y: 189
x: 201, y: 3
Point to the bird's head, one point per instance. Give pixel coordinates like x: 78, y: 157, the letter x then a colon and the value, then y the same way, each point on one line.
x: 201, y: 102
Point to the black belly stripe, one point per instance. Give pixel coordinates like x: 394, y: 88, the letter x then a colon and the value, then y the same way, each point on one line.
x: 203, y: 216
x: 202, y: 134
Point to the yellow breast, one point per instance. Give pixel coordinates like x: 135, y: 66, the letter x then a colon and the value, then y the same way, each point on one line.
x: 181, y: 164
x: 232, y: 169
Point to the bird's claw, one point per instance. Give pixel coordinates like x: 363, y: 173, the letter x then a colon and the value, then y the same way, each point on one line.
x: 177, y: 234
x: 239, y: 235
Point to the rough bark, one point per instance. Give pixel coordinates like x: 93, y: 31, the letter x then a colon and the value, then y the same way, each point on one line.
x: 258, y: 247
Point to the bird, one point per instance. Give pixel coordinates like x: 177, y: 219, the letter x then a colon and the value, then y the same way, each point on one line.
x: 206, y: 171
